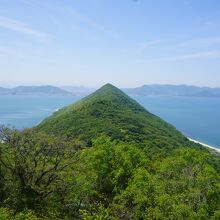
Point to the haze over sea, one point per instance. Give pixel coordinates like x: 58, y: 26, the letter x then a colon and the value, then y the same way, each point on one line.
x: 197, y: 118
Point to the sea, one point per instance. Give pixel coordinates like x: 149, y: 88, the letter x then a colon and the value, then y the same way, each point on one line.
x: 197, y: 118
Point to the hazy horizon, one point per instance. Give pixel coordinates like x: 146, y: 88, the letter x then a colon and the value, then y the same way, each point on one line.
x: 96, y: 87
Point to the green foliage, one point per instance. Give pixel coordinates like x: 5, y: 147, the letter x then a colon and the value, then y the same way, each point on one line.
x: 185, y: 186
x: 111, y: 112
x: 113, y: 166
x: 34, y: 167
x: 7, y: 214
x: 137, y: 166
x: 48, y: 178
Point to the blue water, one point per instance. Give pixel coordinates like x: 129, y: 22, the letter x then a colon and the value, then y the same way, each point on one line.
x: 27, y: 111
x: 198, y: 118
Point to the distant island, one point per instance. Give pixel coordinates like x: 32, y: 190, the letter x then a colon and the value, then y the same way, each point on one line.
x: 145, y: 90
x: 34, y: 90
x: 173, y: 90
x: 78, y: 90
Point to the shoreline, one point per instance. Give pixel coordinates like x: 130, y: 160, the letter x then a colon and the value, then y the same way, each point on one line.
x: 205, y: 145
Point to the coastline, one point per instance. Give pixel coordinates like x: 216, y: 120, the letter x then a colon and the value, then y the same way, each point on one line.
x: 205, y: 145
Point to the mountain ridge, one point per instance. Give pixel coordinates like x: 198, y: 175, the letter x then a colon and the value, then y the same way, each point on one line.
x: 111, y: 112
x: 144, y: 90
x: 173, y: 90
x: 34, y: 90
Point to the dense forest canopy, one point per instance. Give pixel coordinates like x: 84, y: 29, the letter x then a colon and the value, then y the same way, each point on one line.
x: 106, y: 157
x: 110, y: 111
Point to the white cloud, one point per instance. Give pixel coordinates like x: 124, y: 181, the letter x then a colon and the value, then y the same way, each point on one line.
x: 17, y: 26
x: 15, y: 53
x: 192, y: 56
x: 199, y: 42
x: 143, y: 46
x: 73, y: 13
x: 28, y: 2
x: 196, y: 55
x: 91, y: 23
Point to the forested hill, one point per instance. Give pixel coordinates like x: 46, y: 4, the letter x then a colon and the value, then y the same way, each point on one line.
x: 111, y: 112
x: 106, y: 158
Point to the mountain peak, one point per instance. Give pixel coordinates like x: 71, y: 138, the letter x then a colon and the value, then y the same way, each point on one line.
x: 108, y: 85
x: 111, y: 112
x: 111, y: 96
x: 108, y: 88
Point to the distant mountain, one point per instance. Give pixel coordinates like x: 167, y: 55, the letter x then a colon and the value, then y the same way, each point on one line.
x: 111, y: 112
x: 173, y: 90
x: 4, y: 91
x: 145, y: 90
x: 78, y: 90
x: 34, y: 90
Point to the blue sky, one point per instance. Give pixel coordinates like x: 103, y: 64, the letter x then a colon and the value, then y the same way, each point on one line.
x: 124, y: 42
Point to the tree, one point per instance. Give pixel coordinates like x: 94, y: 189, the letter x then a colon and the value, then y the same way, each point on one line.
x: 35, y: 166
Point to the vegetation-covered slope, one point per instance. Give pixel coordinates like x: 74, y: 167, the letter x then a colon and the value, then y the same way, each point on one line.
x: 111, y: 112
x: 139, y: 167
x: 45, y: 177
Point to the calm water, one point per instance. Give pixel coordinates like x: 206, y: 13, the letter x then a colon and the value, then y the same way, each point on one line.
x: 27, y: 111
x: 198, y: 118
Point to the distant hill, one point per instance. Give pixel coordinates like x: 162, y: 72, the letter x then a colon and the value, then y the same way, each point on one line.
x: 111, y: 112
x: 173, y: 90
x: 34, y: 90
x: 145, y: 90
x: 78, y: 90
x: 4, y: 91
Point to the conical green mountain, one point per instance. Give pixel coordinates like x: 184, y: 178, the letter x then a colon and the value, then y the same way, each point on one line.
x: 111, y: 112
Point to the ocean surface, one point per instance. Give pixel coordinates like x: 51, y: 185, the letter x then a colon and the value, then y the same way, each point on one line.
x: 27, y: 111
x: 197, y: 118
